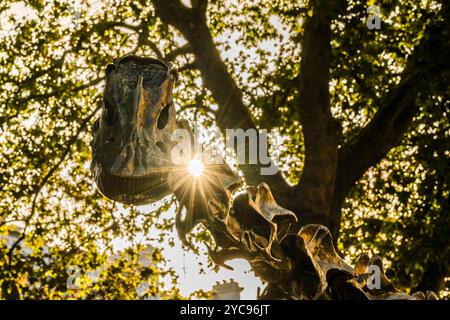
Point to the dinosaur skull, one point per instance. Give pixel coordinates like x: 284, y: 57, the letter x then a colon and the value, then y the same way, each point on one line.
x: 132, y: 138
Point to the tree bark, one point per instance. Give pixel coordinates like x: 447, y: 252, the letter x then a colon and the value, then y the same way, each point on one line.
x: 320, y: 129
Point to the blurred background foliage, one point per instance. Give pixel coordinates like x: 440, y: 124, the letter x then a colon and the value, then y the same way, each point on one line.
x: 52, y: 60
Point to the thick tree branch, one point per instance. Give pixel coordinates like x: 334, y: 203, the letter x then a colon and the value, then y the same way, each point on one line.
x: 320, y: 129
x: 232, y: 112
x: 188, y: 66
x: 176, y: 52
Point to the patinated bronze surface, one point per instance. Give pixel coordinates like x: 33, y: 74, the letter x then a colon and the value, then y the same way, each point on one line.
x: 131, y: 145
x: 132, y: 164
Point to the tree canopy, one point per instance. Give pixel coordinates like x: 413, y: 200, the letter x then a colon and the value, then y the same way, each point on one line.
x: 362, y: 115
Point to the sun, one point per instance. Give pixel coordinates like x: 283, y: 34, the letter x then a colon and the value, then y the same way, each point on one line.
x: 195, y: 168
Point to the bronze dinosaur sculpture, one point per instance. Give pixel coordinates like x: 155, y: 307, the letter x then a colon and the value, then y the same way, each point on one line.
x: 132, y: 164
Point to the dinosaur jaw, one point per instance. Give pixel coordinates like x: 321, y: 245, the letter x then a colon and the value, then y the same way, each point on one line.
x: 137, y: 190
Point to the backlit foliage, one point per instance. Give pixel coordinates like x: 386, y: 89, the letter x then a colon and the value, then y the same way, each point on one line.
x: 52, y: 60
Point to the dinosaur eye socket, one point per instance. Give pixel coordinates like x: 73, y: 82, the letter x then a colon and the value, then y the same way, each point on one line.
x: 109, y: 68
x: 110, y: 114
x: 164, y: 116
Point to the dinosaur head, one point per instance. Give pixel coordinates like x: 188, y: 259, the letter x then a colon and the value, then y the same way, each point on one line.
x: 131, y: 142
